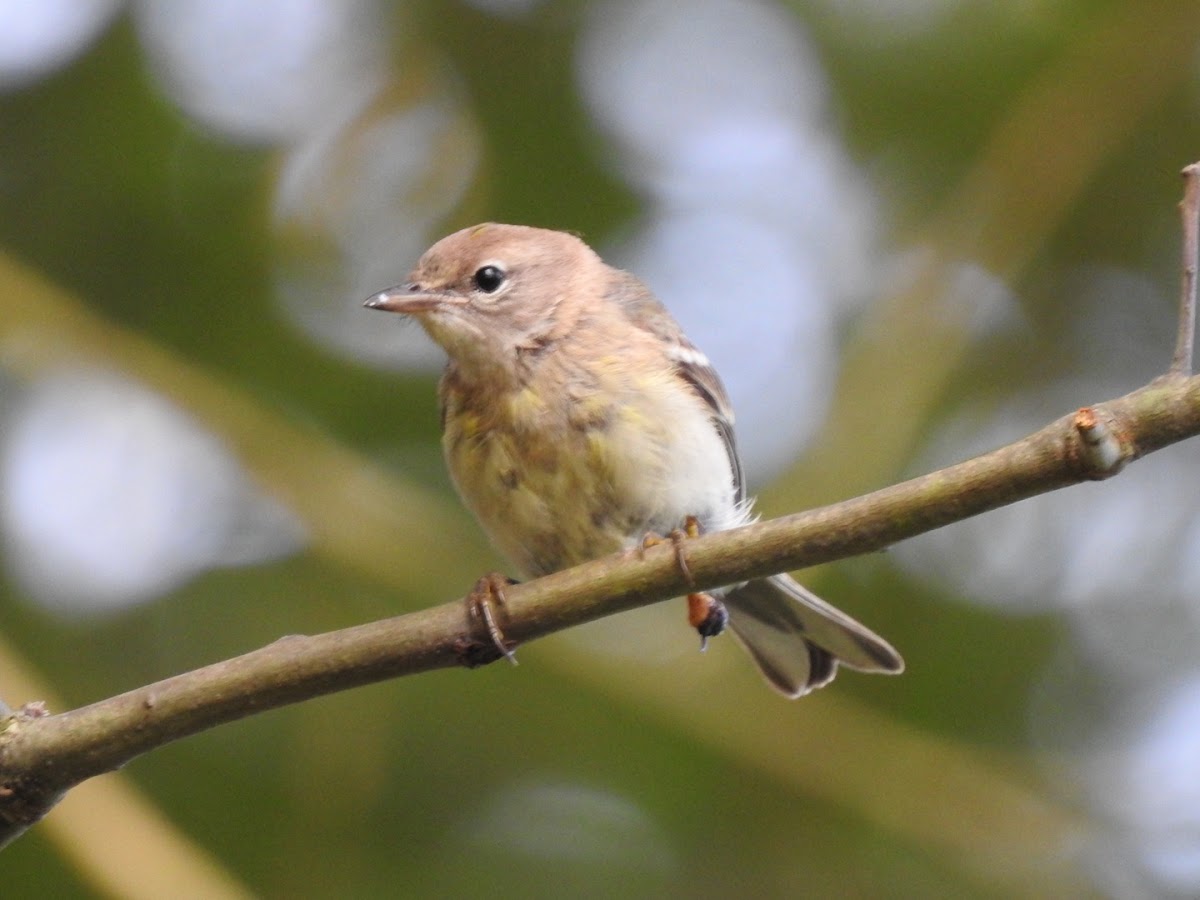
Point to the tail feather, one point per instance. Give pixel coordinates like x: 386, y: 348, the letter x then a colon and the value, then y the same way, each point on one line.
x: 798, y: 640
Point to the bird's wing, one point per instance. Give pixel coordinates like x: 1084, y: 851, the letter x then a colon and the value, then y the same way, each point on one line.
x: 647, y: 312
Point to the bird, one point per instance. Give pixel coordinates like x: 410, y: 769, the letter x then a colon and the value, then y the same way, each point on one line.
x: 578, y: 420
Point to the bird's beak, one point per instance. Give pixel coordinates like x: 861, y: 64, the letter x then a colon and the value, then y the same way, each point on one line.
x: 409, y: 298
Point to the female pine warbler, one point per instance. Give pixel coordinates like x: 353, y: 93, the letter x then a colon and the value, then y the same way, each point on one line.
x: 577, y: 419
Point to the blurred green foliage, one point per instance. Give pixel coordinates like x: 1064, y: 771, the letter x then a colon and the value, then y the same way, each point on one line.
x: 396, y: 790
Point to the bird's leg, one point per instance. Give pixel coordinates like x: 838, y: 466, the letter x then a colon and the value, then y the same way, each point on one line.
x: 485, y: 597
x: 706, y: 613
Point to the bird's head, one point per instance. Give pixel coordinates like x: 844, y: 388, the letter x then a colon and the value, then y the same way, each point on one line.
x: 489, y: 291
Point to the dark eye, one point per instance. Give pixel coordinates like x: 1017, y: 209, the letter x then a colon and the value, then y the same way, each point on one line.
x: 489, y: 278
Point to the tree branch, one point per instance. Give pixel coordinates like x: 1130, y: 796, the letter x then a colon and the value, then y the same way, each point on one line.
x: 42, y: 756
x: 1189, y: 209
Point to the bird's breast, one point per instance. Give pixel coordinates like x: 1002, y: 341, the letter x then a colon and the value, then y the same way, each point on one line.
x: 559, y: 473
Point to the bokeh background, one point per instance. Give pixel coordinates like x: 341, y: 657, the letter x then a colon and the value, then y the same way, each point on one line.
x: 905, y: 230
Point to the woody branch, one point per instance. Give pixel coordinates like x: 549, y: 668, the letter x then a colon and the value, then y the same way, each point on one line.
x: 42, y: 756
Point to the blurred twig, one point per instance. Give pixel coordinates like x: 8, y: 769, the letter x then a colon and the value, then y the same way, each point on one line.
x: 1014, y: 840
x: 1026, y: 179
x: 1181, y: 364
x: 375, y: 522
x: 117, y: 838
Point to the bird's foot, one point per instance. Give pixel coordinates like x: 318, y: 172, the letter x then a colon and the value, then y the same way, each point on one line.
x: 482, y: 603
x: 706, y: 613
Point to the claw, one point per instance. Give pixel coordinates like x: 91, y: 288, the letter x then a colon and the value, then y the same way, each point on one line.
x: 487, y: 593
x: 691, y: 529
x: 650, y: 539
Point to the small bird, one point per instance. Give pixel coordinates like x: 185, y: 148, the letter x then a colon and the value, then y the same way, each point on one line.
x: 577, y: 419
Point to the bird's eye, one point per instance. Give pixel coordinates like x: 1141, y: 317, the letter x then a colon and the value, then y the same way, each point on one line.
x: 489, y: 278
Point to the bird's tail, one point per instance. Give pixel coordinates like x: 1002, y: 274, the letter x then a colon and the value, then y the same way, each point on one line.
x: 798, y: 639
